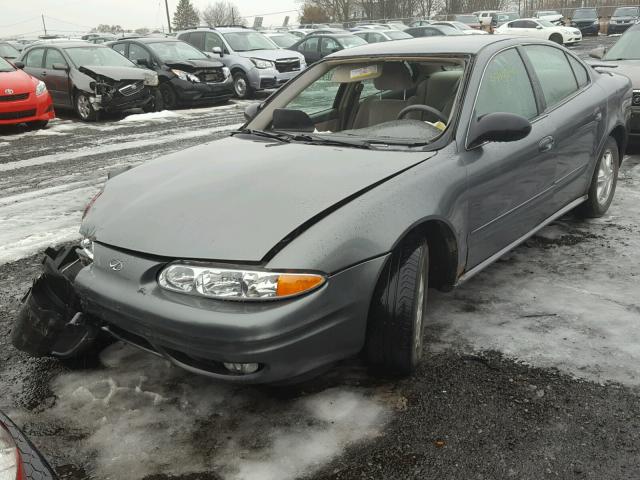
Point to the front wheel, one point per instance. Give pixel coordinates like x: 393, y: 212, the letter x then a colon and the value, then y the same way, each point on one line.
x: 84, y: 108
x: 396, y: 319
x: 241, y: 86
x: 557, y: 38
x: 603, y: 183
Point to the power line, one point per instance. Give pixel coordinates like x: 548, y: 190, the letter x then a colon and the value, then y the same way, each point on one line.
x: 20, y: 23
x: 267, y: 14
x: 67, y: 22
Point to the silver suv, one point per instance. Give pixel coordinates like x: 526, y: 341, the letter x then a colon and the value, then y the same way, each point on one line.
x: 255, y: 61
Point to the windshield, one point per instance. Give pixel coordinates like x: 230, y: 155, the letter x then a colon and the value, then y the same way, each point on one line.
x: 397, y: 35
x: 626, y: 12
x: 546, y: 23
x: 544, y: 13
x: 285, y: 40
x: 586, y: 13
x: 5, y: 66
x: 176, y: 51
x: 97, y: 56
x: 351, y: 41
x: 247, y: 41
x: 626, y: 48
x: 467, y: 18
x: 7, y: 50
x: 358, y: 103
x: 462, y: 26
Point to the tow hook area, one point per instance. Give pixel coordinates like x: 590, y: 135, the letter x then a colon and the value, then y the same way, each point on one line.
x: 50, y: 321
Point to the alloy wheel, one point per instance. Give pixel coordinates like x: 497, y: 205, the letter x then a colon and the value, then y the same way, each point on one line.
x: 84, y: 107
x: 605, y: 177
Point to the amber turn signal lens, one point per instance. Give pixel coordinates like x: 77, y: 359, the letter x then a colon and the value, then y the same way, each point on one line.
x: 295, y: 284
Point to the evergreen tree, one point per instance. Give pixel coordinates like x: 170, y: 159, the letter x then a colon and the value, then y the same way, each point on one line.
x: 185, y: 16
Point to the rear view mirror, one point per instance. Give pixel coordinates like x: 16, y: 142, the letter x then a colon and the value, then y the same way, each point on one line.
x: 251, y: 111
x: 498, y: 127
x: 60, y: 66
x: 598, y: 52
x: 296, y: 120
x: 217, y: 51
x: 19, y: 65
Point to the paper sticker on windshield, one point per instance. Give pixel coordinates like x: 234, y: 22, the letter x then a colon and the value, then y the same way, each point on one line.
x: 364, y: 72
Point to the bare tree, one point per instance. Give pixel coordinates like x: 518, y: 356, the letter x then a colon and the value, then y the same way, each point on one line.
x: 222, y: 12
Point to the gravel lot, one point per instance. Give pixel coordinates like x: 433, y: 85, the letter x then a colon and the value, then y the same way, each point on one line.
x: 530, y: 370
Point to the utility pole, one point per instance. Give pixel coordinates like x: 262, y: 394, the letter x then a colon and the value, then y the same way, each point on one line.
x: 44, y: 25
x: 166, y: 6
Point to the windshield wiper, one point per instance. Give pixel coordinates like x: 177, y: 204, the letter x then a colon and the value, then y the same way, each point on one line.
x: 321, y: 140
x: 283, y: 137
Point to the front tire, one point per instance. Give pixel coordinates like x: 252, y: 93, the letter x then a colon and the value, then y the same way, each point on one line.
x: 557, y: 38
x: 37, y: 125
x: 603, y: 184
x: 241, y: 86
x: 396, y: 318
x: 84, y: 108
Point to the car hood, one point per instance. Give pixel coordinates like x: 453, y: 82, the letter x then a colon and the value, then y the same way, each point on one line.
x: 115, y: 73
x: 551, y: 18
x: 628, y: 68
x: 234, y: 199
x: 275, y: 54
x: 191, y: 65
x: 18, y: 81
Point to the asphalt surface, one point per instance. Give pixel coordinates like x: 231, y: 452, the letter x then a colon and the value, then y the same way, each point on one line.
x: 478, y: 408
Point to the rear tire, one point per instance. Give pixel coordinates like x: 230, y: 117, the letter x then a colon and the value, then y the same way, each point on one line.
x: 603, y: 184
x: 396, y: 317
x: 84, y: 108
x: 557, y: 38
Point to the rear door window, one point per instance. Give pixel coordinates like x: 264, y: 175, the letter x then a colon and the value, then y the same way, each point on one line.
x: 554, y: 72
x: 34, y: 58
x: 197, y: 40
x: 54, y: 57
x: 581, y: 73
x: 506, y: 87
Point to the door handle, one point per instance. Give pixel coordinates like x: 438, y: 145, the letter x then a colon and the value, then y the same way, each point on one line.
x: 598, y: 116
x: 546, y: 144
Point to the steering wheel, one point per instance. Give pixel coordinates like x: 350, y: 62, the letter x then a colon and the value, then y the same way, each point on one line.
x: 423, y: 108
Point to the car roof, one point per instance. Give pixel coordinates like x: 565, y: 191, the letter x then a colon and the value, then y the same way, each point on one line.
x: 66, y: 44
x: 146, y: 40
x: 458, y: 44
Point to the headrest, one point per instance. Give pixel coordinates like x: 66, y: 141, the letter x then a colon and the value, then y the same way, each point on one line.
x: 395, y: 76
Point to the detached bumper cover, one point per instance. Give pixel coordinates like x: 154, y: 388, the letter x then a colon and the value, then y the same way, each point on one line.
x: 287, y: 338
x: 203, y: 92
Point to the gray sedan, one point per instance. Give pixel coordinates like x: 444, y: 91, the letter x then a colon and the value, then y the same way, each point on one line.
x: 314, y: 232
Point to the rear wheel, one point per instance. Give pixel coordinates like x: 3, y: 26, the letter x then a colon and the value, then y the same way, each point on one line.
x: 84, y: 108
x: 37, y: 125
x: 556, y: 37
x: 603, y: 184
x: 396, y: 318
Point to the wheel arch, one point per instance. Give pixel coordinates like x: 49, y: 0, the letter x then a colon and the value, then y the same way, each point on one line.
x: 443, y: 250
x: 619, y: 133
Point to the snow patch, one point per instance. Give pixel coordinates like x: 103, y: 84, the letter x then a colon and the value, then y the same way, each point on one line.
x: 161, y: 416
x: 163, y: 116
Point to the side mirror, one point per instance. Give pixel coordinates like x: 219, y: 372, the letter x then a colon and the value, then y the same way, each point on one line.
x: 143, y: 62
x: 498, y: 127
x: 336, y: 49
x: 598, y: 52
x: 539, y: 27
x: 217, y: 51
x: 60, y: 66
x: 251, y: 111
x: 19, y: 65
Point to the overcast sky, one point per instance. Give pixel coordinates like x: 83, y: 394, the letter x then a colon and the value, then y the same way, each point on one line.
x: 19, y: 17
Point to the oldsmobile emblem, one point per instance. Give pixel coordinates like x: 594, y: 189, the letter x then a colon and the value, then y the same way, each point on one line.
x: 8, y: 91
x: 116, y: 265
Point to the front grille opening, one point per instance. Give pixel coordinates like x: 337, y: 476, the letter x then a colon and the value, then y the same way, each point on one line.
x: 17, y: 115
x: 13, y: 98
x: 204, y: 364
x: 132, y: 338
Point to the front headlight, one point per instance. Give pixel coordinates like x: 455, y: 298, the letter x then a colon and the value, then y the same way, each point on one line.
x: 235, y: 284
x: 260, y: 63
x: 151, y: 79
x: 182, y: 75
x: 41, y: 88
x: 226, y: 72
x: 596, y: 22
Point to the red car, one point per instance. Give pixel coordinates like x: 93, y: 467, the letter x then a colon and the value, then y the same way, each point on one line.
x: 23, y: 99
